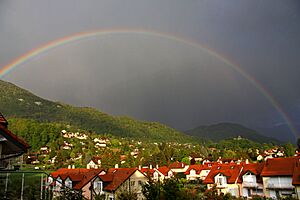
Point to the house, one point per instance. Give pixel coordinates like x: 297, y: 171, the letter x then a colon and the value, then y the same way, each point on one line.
x: 165, y: 171
x: 277, y: 177
x: 77, y: 179
x: 178, y: 167
x: 196, y: 157
x: 252, y: 184
x: 195, y: 172
x: 119, y: 179
x: 94, y: 163
x: 296, y: 177
x: 11, y: 146
x: 225, y: 177
x: 153, y: 173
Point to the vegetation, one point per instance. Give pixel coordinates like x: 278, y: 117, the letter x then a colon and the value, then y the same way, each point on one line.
x: 17, y: 103
x: 218, y: 132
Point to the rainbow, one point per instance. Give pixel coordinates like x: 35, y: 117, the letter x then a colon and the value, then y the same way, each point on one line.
x: 89, y: 34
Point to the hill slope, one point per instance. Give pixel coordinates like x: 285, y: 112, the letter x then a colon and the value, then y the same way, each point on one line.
x: 221, y: 131
x: 16, y: 102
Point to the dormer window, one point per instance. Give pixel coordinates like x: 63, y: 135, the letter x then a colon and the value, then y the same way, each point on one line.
x: 68, y: 183
x: 98, y: 185
x: 220, y: 180
x: 193, y: 172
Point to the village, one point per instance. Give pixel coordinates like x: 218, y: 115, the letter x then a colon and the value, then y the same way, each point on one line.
x: 272, y: 175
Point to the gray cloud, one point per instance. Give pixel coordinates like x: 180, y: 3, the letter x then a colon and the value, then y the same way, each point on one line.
x: 153, y: 78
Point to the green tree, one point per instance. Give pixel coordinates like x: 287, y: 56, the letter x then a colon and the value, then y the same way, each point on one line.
x: 127, y: 195
x: 289, y: 149
x: 152, y: 190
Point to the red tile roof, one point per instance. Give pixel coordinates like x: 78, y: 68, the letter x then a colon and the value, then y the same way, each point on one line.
x: 164, y: 170
x: 279, y: 167
x: 231, y: 171
x: 119, y: 176
x: 147, y: 171
x: 95, y: 159
x: 254, y: 168
x: 177, y: 165
x: 80, y: 176
x: 198, y: 169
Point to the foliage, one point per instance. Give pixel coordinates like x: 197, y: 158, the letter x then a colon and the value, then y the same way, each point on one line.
x: 127, y: 195
x: 70, y: 194
x: 19, y: 103
x: 289, y: 149
x: 222, y: 131
x: 151, y: 190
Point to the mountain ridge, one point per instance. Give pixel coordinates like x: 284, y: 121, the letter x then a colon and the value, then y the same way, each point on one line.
x: 16, y: 102
x: 227, y: 130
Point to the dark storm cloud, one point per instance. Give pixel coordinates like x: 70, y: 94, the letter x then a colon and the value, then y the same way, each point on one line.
x: 157, y: 79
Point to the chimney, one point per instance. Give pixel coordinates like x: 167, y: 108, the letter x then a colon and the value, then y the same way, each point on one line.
x: 156, y: 166
x: 69, y: 166
x: 247, y: 161
x: 116, y: 165
x: 150, y: 166
x: 140, y: 167
x: 73, y: 166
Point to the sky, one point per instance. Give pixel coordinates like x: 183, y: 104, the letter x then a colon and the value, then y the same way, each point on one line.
x: 158, y: 78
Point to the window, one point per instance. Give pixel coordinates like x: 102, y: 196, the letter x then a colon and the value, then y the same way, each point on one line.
x: 68, y: 183
x: 192, y: 172
x: 220, y: 180
x: 132, y: 183
x: 98, y: 185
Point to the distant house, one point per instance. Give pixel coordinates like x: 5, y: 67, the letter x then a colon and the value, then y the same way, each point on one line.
x: 166, y: 172
x: 195, y: 172
x: 178, y: 167
x: 278, y: 177
x: 153, y: 173
x: 94, y: 163
x: 11, y: 146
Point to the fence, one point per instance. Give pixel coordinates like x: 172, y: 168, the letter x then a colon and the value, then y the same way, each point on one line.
x: 29, y: 185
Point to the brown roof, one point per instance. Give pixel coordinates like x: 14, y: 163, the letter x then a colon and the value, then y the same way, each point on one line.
x: 279, y: 167
x: 254, y: 168
x: 177, y: 165
x: 80, y: 176
x: 7, y: 134
x: 231, y: 171
x: 197, y: 168
x: 119, y: 176
x: 164, y: 170
x: 95, y: 159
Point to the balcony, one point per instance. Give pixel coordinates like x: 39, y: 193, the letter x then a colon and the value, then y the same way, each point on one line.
x: 250, y: 184
x: 279, y: 186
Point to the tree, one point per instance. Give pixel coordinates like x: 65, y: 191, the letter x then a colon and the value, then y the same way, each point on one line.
x: 151, y: 190
x: 289, y: 149
x: 127, y: 195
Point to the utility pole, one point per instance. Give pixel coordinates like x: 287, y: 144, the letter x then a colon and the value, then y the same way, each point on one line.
x: 6, y: 185
x: 22, y: 188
